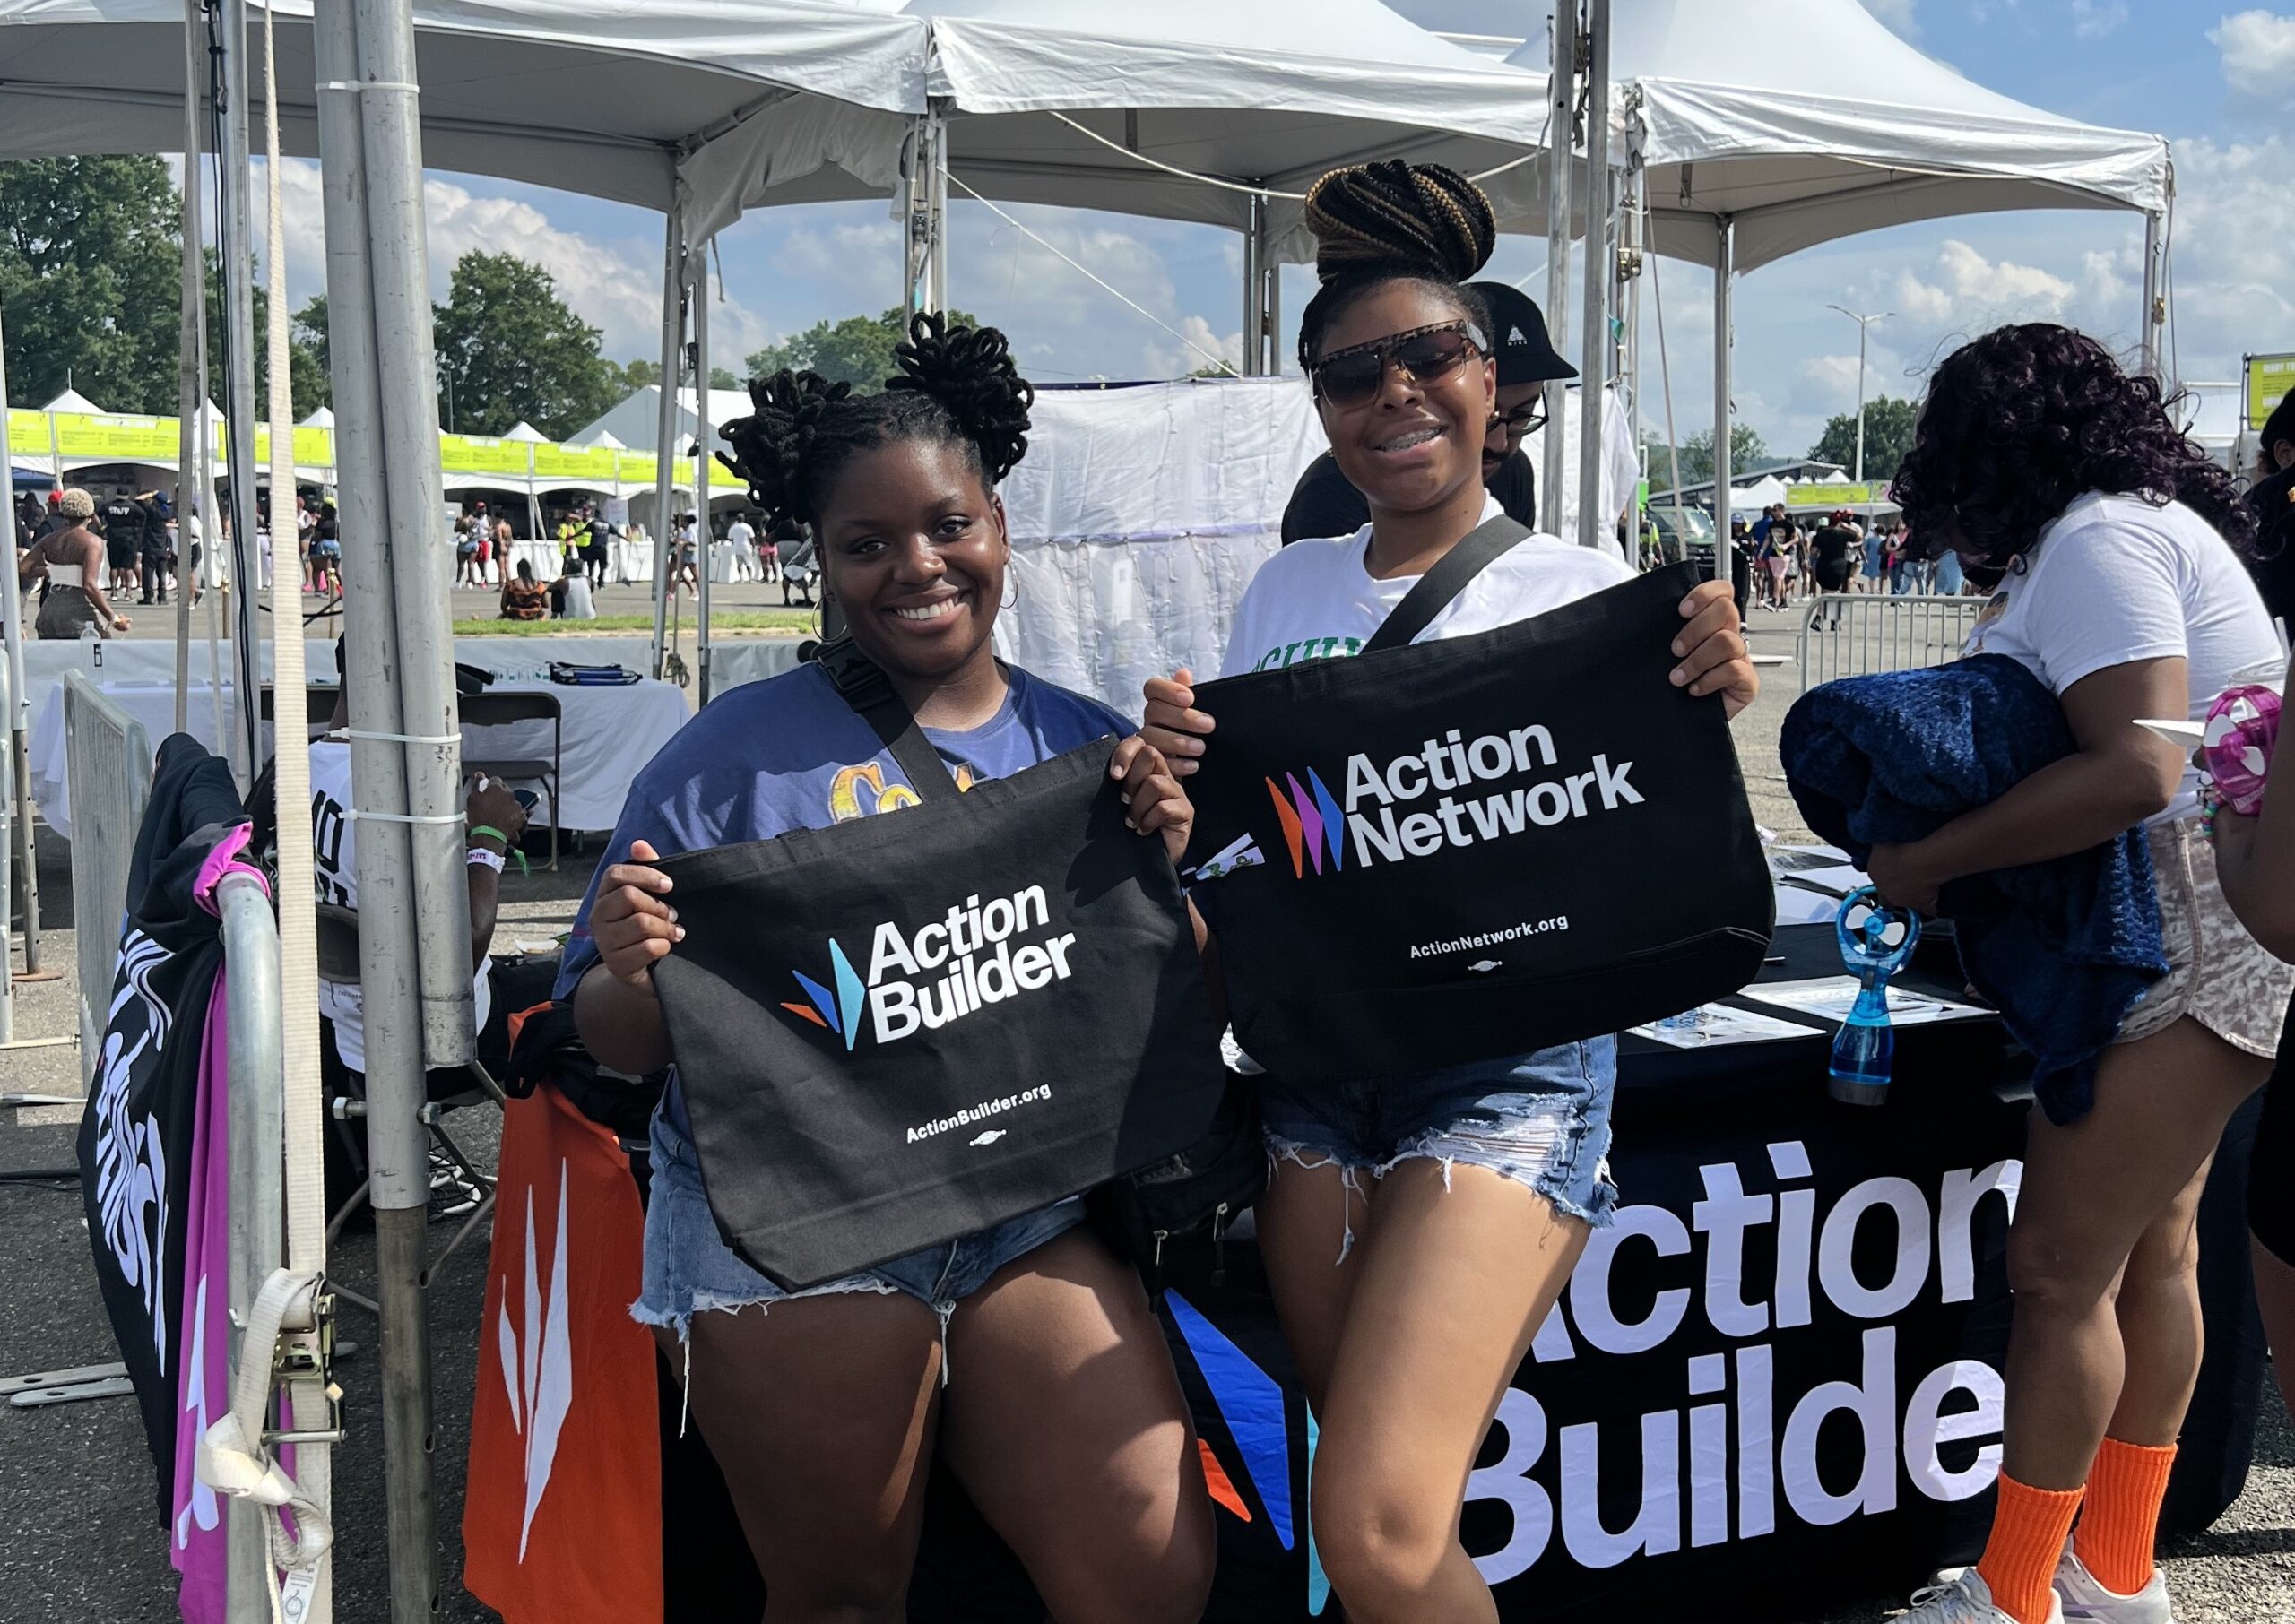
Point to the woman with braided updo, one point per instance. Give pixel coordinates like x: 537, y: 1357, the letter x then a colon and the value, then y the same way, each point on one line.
x: 1418, y: 1229
x: 1025, y: 1353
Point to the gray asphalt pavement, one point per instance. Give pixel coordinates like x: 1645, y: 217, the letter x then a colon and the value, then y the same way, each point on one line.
x: 80, y: 1540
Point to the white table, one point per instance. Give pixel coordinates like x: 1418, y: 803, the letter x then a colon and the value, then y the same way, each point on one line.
x: 610, y: 733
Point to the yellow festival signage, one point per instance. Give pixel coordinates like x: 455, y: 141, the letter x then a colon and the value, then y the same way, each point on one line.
x: 1835, y: 494
x: 2269, y: 378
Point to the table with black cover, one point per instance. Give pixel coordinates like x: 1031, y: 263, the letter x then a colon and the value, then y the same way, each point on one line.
x: 1771, y: 1387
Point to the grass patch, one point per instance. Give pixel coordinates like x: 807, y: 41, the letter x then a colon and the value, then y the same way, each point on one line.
x: 722, y: 620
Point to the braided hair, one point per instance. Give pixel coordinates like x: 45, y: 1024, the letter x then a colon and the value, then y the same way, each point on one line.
x: 956, y: 387
x: 1391, y: 221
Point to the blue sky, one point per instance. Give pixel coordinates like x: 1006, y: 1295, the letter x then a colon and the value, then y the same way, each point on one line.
x: 2218, y: 80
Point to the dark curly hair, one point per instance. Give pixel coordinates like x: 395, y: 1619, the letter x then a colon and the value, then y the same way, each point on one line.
x: 1393, y: 221
x: 956, y: 386
x: 2025, y: 422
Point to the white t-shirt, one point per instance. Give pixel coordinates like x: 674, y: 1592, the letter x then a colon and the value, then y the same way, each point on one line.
x: 740, y: 535
x: 334, y: 855
x: 2113, y: 579
x: 1316, y: 601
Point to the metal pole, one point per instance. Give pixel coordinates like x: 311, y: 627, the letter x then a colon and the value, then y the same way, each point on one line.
x: 258, y: 1239
x: 705, y: 539
x: 191, y: 382
x: 936, y: 287
x: 1594, y: 360
x: 2148, y: 343
x: 238, y: 366
x: 1271, y: 270
x: 19, y: 793
x: 1254, y: 287
x: 291, y: 1184
x: 1561, y: 116
x: 1860, y: 403
x: 371, y: 167
x: 1724, y: 257
x: 665, y: 435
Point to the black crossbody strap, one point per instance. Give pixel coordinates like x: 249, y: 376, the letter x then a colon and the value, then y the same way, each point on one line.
x: 862, y: 685
x: 1437, y: 589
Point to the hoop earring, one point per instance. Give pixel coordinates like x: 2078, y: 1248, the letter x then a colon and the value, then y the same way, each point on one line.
x: 820, y: 617
x: 1014, y: 601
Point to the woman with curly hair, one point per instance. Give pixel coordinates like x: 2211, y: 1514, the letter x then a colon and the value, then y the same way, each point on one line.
x: 1418, y: 1229
x: 1025, y: 1354
x: 2110, y: 537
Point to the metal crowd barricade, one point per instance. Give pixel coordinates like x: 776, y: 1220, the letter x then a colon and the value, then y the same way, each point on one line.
x: 108, y: 764
x: 1857, y: 633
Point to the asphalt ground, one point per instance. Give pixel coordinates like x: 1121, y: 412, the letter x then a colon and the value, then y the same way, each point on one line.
x: 80, y: 1538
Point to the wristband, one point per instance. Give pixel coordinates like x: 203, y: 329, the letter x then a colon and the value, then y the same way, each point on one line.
x: 479, y: 857
x: 509, y: 849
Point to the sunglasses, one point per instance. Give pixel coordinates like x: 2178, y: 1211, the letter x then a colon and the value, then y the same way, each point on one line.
x: 1350, y: 377
x: 1528, y: 417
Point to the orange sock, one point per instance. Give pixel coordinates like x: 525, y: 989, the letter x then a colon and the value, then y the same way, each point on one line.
x: 2122, y: 1520
x: 2019, y: 1561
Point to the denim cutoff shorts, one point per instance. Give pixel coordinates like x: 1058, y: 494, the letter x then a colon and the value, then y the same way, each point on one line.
x: 1540, y: 1120
x: 690, y: 1270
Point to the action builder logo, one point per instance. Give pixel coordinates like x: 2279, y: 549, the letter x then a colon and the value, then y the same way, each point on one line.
x: 945, y: 970
x: 1318, y: 830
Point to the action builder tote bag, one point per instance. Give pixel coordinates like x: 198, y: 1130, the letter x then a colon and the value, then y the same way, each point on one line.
x: 898, y: 1030
x: 1474, y: 847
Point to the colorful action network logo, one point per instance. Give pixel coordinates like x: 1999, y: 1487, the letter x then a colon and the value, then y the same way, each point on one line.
x: 838, y: 1012
x: 1312, y: 823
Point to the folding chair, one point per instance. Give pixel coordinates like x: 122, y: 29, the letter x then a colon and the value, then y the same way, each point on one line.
x: 446, y: 1090
x: 494, y: 710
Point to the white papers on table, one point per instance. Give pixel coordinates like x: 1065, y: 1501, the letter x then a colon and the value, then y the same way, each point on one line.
x: 1831, y: 997
x: 1719, y: 1025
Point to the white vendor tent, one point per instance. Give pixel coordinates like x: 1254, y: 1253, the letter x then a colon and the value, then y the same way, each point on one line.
x: 1737, y: 164
x: 71, y: 399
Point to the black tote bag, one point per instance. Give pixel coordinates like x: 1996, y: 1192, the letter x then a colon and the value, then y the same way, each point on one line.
x: 1479, y: 846
x: 902, y: 1029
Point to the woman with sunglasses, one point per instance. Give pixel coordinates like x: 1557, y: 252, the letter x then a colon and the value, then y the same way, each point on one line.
x: 1416, y: 1229
x: 1324, y: 504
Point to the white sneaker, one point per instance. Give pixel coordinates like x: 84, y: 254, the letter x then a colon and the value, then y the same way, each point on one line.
x: 2084, y: 1597
x: 1964, y: 1598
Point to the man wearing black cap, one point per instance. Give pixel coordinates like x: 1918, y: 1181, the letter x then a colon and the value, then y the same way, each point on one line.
x: 1323, y: 504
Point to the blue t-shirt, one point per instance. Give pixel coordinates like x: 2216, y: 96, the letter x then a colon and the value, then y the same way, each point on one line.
x: 789, y: 754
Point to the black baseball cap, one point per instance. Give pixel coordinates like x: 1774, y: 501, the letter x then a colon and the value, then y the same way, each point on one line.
x: 1517, y: 338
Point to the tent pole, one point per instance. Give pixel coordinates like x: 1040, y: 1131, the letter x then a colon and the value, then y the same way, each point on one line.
x: 239, y: 363
x: 2148, y: 345
x: 665, y: 437
x: 1725, y: 255
x: 291, y: 1133
x: 1270, y: 270
x: 1594, y: 359
x: 18, y: 792
x: 190, y: 386
x: 1561, y: 115
x: 937, y: 264
x: 704, y: 538
x: 1254, y: 287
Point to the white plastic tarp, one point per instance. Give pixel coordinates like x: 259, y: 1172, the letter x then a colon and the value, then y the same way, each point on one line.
x: 1735, y: 127
x: 1140, y: 514
x: 1273, y: 93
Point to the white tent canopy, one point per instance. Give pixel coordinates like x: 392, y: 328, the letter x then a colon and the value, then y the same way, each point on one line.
x: 523, y: 430
x: 588, y: 96
x: 323, y: 418
x: 1272, y: 92
x: 71, y: 399
x: 1733, y: 131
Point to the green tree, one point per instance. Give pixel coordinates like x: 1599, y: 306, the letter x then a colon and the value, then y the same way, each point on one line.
x: 857, y: 350
x: 1747, y: 448
x: 90, y: 273
x: 1888, y: 436
x: 307, y: 375
x: 508, y: 347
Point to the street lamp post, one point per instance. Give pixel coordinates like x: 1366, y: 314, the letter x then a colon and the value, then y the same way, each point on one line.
x: 1863, y: 321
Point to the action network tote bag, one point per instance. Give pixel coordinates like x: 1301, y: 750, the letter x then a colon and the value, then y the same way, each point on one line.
x: 898, y: 1030
x: 1475, y: 847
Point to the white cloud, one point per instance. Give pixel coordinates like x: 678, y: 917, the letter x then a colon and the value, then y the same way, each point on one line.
x: 1897, y: 13
x: 616, y: 287
x: 2258, y: 51
x: 2094, y: 19
x: 1968, y: 286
